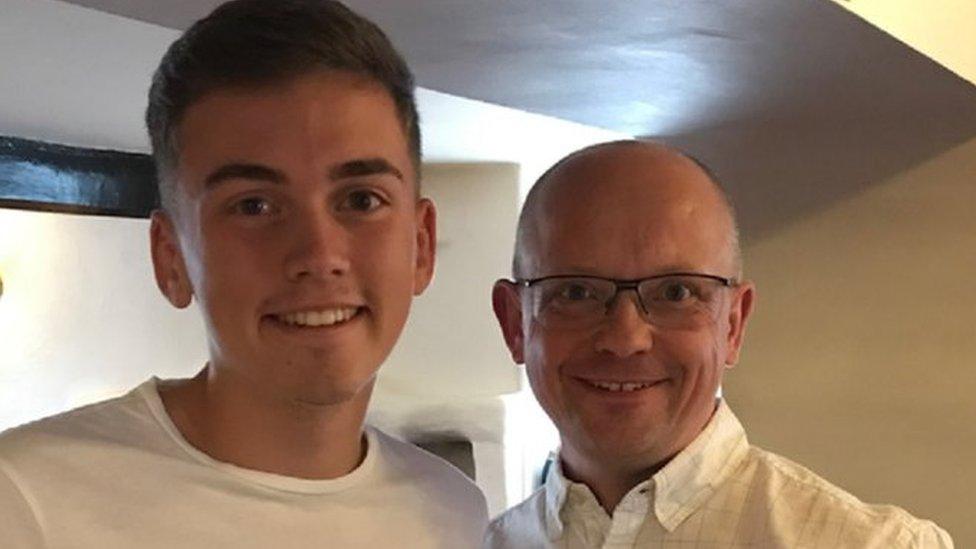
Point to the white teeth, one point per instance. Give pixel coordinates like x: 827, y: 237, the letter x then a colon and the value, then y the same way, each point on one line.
x: 326, y: 317
x: 617, y: 387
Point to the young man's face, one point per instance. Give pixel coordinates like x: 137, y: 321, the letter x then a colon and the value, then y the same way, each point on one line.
x: 298, y: 230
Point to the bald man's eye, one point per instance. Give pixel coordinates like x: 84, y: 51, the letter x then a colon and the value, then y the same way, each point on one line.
x: 570, y: 294
x: 576, y: 292
x: 676, y: 292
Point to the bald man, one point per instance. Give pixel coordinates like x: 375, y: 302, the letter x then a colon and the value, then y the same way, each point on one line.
x: 627, y: 306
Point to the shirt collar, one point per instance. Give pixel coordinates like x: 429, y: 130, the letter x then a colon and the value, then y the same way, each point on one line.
x: 683, y: 485
x: 556, y: 486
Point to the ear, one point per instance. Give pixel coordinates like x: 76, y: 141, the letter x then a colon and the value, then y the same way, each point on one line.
x: 426, y: 245
x: 508, y: 310
x: 168, y: 265
x: 738, y: 316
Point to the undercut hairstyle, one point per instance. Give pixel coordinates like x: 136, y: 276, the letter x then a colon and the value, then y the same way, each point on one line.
x: 528, y: 214
x: 256, y: 43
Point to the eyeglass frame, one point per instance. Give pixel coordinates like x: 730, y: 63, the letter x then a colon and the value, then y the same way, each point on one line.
x: 626, y: 284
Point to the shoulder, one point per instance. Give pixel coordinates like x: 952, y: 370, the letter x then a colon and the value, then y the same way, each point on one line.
x: 408, y: 463
x: 521, y: 526
x: 41, y: 460
x: 104, y: 423
x: 800, y: 496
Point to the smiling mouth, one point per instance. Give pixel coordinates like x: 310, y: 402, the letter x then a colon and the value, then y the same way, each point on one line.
x: 618, y: 386
x: 319, y: 318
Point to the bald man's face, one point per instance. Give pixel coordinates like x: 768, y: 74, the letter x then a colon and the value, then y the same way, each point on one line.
x: 627, y: 213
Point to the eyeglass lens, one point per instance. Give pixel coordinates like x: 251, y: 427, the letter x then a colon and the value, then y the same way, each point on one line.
x: 673, y: 301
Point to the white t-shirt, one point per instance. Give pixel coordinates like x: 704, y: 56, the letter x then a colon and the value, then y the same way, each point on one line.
x: 119, y: 474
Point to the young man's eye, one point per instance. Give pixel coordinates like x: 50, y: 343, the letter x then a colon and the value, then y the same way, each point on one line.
x: 362, y: 201
x: 253, y: 206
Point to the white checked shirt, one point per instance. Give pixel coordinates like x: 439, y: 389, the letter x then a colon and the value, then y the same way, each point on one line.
x: 718, y: 492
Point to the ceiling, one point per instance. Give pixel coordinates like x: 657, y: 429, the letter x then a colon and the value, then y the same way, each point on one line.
x: 796, y: 101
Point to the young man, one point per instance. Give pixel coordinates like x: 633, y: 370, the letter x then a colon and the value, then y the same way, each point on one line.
x: 627, y: 307
x: 286, y: 138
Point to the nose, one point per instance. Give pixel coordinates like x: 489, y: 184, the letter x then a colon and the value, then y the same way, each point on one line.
x: 318, y: 247
x: 625, y: 332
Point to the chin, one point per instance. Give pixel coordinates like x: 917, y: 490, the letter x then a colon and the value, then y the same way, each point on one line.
x: 622, y: 439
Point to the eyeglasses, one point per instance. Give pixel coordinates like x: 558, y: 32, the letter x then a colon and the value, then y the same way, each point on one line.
x: 673, y: 300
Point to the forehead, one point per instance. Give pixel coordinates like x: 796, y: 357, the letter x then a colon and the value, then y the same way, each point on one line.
x: 630, y: 212
x: 316, y: 118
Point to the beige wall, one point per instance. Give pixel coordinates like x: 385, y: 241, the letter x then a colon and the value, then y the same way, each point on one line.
x: 941, y: 29
x: 861, y: 357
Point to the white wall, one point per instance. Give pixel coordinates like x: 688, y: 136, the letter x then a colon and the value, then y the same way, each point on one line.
x: 457, y: 129
x: 450, y: 366
x: 80, y: 316
x: 451, y: 345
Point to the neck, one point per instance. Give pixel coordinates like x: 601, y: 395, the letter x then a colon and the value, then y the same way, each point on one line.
x: 608, y: 484
x: 235, y: 423
x: 610, y: 477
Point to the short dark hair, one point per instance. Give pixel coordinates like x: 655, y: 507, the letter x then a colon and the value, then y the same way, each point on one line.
x: 261, y: 42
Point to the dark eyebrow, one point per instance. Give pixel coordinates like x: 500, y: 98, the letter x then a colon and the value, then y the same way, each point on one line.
x: 364, y: 167
x: 253, y: 172
x: 258, y: 172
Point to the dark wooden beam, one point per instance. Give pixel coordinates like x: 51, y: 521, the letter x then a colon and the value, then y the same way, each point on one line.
x: 35, y: 175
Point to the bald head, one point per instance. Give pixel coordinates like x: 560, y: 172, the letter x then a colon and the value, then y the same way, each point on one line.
x: 637, y: 194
